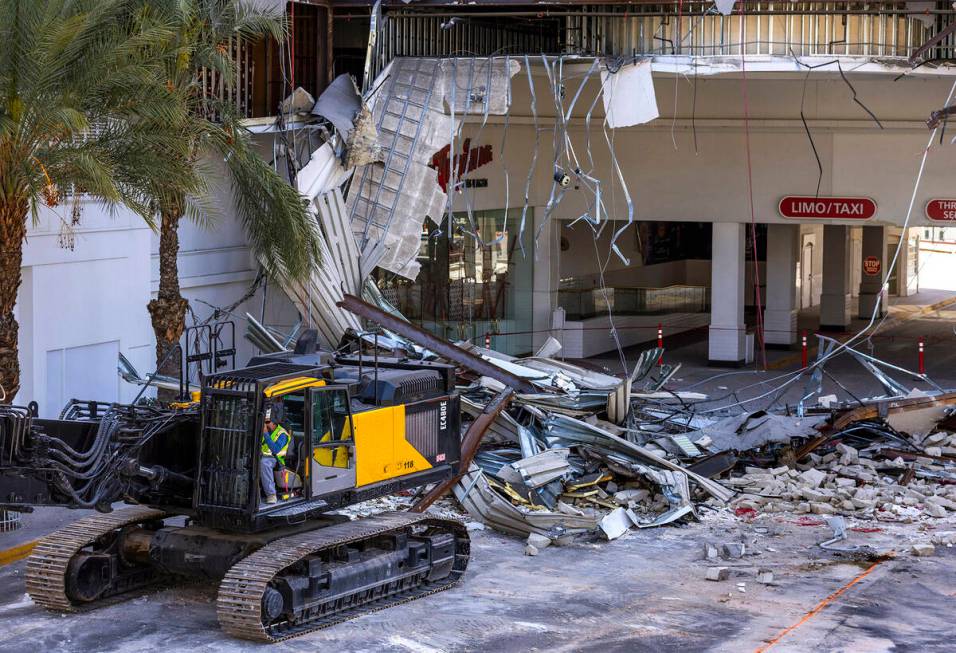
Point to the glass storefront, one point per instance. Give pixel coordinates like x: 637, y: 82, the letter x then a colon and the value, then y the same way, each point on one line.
x: 471, y: 286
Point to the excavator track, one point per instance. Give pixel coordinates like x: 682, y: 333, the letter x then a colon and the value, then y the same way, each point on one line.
x: 240, y: 600
x: 47, y: 566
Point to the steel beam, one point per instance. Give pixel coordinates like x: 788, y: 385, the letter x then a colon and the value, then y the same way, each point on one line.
x: 469, y: 446
x: 429, y: 341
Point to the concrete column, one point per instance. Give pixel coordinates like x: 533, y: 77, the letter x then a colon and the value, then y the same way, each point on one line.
x: 546, y: 275
x: 728, y: 333
x: 780, y: 315
x: 873, y: 274
x: 835, y: 301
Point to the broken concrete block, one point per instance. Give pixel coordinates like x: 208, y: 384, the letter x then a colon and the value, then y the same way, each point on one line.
x: 942, y: 501
x: 848, y: 455
x: 802, y: 508
x: 815, y: 495
x: 717, y: 573
x: 733, y: 550
x: 946, y: 538
x: 710, y: 552
x: 863, y: 504
x: 764, y: 576
x: 923, y: 549
x: 813, y: 477
x: 933, y: 451
x: 538, y: 541
x: 625, y: 497
x: 934, y: 510
x: 822, y: 509
x: 530, y: 550
x: 935, y: 439
x: 615, y: 523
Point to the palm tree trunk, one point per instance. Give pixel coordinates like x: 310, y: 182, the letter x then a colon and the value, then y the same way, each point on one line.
x: 13, y: 216
x: 168, y: 310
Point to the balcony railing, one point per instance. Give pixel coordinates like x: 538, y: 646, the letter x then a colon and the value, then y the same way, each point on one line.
x: 690, y: 28
x: 768, y: 28
x: 583, y: 303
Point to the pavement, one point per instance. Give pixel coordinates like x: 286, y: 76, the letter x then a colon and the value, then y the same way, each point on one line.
x: 643, y: 592
x: 929, y: 314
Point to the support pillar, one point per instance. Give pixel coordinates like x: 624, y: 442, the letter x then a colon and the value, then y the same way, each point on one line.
x: 546, y: 276
x: 780, y: 315
x: 835, y: 300
x: 728, y: 332
x: 873, y: 273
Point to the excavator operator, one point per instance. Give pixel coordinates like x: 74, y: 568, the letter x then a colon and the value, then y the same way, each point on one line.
x: 275, y: 444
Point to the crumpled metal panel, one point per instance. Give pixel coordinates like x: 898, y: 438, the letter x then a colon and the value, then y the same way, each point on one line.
x: 566, y: 431
x: 390, y: 200
x: 753, y: 430
x: 487, y: 506
x: 315, y: 298
x: 538, y: 470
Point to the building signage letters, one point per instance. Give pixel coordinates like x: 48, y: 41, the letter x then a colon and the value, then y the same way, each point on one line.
x: 827, y: 208
x: 872, y: 265
x: 941, y: 210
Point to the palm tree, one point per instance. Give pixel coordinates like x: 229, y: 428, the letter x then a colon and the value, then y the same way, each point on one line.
x: 273, y: 214
x: 84, y: 109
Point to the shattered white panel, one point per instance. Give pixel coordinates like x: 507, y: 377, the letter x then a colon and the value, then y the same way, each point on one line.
x: 478, y: 85
x: 389, y: 201
x: 725, y: 7
x: 628, y: 95
x: 322, y: 173
x: 928, y: 19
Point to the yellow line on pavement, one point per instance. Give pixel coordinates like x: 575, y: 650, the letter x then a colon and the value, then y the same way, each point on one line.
x: 9, y: 556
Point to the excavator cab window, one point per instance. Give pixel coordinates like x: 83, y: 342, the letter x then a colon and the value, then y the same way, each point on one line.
x: 333, y: 448
x: 331, y: 428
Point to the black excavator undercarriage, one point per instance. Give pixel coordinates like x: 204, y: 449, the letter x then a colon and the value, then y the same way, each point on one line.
x: 191, y: 474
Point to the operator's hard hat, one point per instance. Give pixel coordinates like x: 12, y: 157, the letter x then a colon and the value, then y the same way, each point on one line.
x: 274, y: 412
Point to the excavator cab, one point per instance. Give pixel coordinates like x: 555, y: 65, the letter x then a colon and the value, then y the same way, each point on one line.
x: 353, y: 435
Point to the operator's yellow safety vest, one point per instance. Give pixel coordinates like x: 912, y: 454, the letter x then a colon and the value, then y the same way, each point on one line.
x: 276, y: 438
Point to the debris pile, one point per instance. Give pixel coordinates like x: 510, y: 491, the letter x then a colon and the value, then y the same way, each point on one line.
x: 554, y: 465
x: 569, y: 451
x: 875, y: 482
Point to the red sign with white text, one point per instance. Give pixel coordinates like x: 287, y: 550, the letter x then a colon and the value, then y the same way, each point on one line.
x: 872, y: 265
x: 827, y: 208
x: 941, y: 210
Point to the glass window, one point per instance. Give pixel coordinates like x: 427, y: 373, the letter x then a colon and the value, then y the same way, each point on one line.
x: 293, y: 412
x: 474, y: 280
x: 331, y: 424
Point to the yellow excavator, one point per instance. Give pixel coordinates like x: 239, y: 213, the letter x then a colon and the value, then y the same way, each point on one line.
x: 190, y: 472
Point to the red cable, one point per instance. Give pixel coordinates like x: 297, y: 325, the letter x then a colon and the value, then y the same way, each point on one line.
x: 750, y: 190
